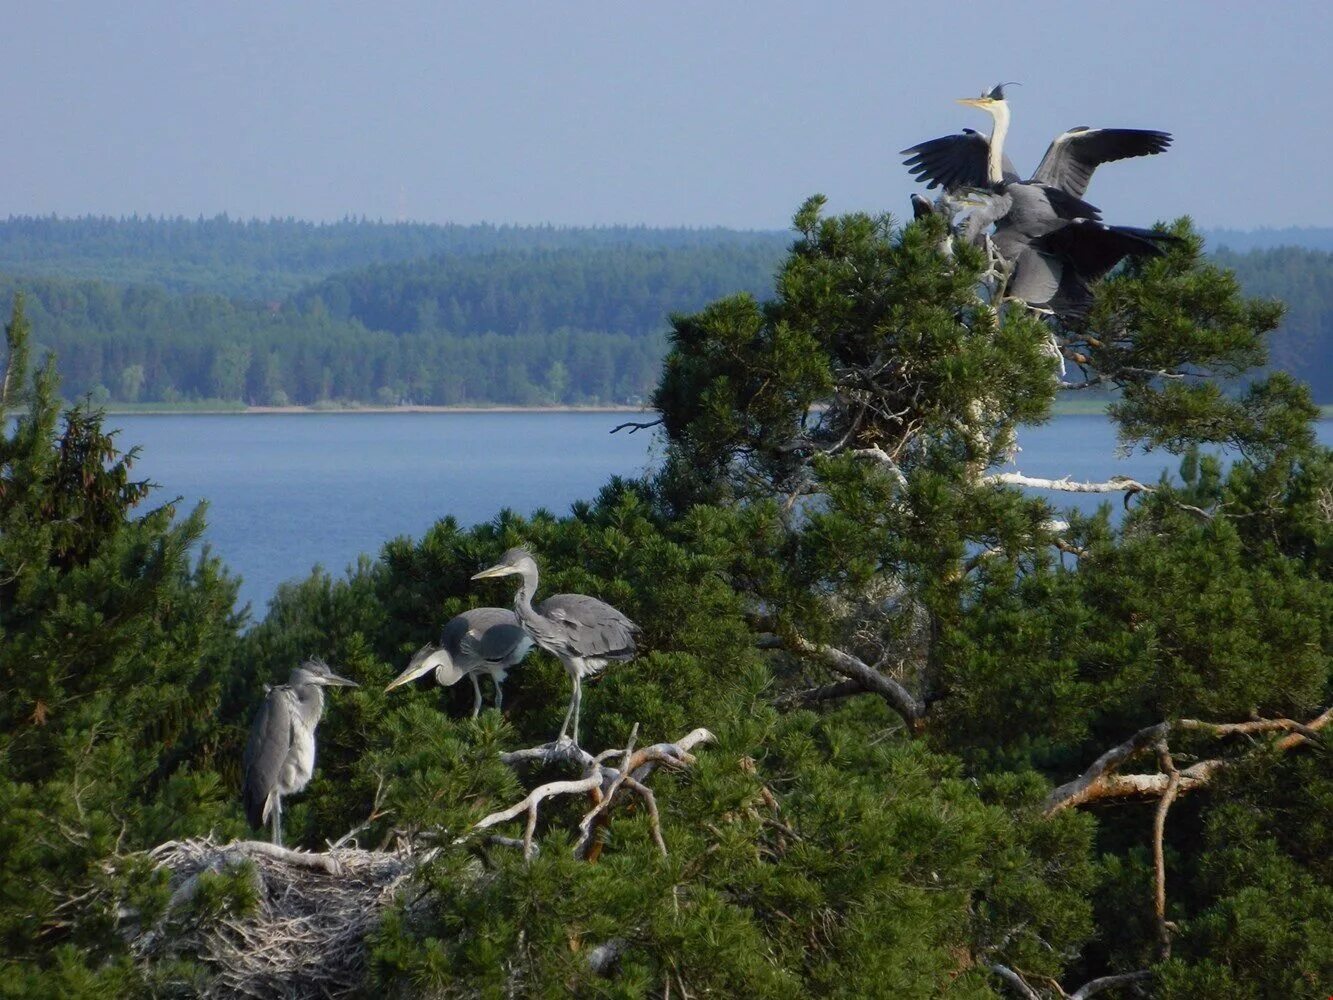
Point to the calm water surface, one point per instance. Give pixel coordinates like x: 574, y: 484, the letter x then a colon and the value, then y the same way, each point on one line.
x: 288, y: 492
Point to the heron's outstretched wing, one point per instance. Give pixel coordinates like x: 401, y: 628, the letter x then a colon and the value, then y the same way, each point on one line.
x: 954, y: 161
x: 1073, y: 156
x: 1093, y: 248
x: 265, y: 752
x: 592, y: 628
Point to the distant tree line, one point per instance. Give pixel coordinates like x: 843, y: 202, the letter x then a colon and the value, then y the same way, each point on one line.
x: 519, y: 315
x: 516, y: 327
x: 269, y: 259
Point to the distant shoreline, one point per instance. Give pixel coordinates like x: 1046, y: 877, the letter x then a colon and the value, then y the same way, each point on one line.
x: 241, y: 411
x: 1062, y: 408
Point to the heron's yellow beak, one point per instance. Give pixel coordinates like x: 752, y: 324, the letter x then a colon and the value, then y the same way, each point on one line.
x: 494, y: 571
x: 410, y: 674
x: 426, y: 659
x: 975, y: 102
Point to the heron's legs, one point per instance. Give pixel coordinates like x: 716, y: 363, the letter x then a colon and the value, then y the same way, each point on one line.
x: 499, y: 695
x: 476, y: 689
x: 578, y: 703
x: 277, y: 820
x: 573, y: 712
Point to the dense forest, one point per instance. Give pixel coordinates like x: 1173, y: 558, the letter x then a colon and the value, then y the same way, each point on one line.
x: 356, y: 313
x: 264, y: 260
x: 896, y: 725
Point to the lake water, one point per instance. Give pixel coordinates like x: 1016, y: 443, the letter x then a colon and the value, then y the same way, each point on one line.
x: 287, y: 492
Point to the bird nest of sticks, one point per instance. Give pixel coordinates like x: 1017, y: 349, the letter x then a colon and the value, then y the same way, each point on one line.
x: 306, y: 937
x: 306, y: 933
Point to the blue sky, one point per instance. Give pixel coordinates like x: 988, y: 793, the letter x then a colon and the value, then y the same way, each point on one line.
x: 673, y: 113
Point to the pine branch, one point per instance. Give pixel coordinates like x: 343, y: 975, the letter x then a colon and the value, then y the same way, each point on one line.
x: 901, y: 700
x: 1102, y: 780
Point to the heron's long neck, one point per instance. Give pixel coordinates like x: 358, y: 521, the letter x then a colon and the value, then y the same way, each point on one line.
x: 995, y: 162
x: 311, y: 697
x: 523, y: 599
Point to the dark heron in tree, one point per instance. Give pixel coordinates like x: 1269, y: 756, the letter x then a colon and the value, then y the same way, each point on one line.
x: 480, y: 641
x: 280, y: 756
x: 1053, y: 241
x: 1052, y: 263
x: 585, y: 634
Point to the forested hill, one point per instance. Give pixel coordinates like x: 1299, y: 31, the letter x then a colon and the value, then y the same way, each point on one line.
x: 490, y: 315
x: 626, y: 289
x: 270, y: 259
x: 523, y: 327
x: 1244, y: 240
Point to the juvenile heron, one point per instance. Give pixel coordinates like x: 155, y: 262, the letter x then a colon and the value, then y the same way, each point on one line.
x: 582, y: 632
x: 280, y: 755
x: 479, y: 641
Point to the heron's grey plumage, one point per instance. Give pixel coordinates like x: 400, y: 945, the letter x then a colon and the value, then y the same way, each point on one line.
x: 952, y: 162
x: 479, y: 641
x: 1053, y: 261
x: 1052, y: 241
x: 1071, y: 159
x: 585, y: 634
x: 280, y: 753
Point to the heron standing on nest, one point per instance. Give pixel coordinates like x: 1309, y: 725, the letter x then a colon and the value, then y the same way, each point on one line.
x: 479, y: 641
x: 280, y: 755
x: 585, y: 634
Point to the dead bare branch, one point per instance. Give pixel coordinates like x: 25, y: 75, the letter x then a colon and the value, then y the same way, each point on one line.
x: 1164, y: 926
x: 1102, y: 780
x: 636, y: 425
x: 1094, y: 986
x: 1015, y: 980
x: 901, y: 700
x: 605, y: 784
x: 1116, y: 484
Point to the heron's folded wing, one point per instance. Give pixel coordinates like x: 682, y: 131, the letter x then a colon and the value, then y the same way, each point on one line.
x: 265, y: 751
x: 593, y: 627
x: 499, y: 642
x: 1035, y: 278
x: 1071, y: 159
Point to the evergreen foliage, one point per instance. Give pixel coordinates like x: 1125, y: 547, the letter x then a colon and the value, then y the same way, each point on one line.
x: 114, y: 644
x: 914, y: 671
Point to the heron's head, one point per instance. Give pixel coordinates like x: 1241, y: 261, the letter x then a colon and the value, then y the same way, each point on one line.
x: 316, y: 671
x: 518, y: 561
x: 429, y: 657
x: 990, y: 101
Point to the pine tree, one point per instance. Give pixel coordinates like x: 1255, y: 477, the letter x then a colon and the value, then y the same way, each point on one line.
x: 112, y: 648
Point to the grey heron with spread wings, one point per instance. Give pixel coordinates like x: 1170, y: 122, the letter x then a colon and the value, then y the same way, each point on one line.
x: 1053, y: 241
x: 280, y: 754
x: 479, y: 641
x: 585, y: 634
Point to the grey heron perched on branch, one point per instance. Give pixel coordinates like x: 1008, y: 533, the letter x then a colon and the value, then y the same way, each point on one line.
x: 479, y: 641
x: 280, y: 754
x: 585, y: 634
x: 1053, y: 241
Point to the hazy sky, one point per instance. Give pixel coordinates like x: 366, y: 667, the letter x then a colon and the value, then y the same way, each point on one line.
x: 660, y: 113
